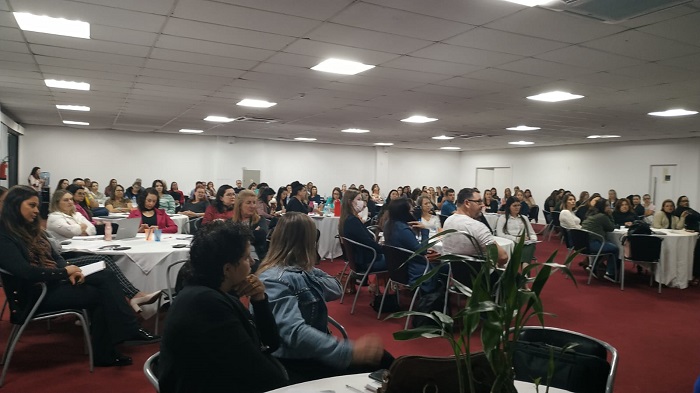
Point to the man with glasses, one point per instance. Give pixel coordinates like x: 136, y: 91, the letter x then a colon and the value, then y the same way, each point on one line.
x: 466, y: 218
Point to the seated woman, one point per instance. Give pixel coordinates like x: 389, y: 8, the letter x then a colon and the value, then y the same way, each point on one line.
x: 582, y: 198
x: 335, y: 196
x: 692, y: 217
x: 246, y: 212
x: 165, y: 200
x: 298, y: 293
x: 428, y: 220
x: 109, y: 190
x: 211, y: 190
x: 637, y: 206
x: 506, y: 194
x: 178, y: 196
x: 351, y: 227
x: 117, y: 203
x: 281, y: 199
x: 582, y: 211
x: 598, y: 220
x: 623, y: 214
x: 95, y: 192
x: 524, y: 207
x: 376, y: 196
x: 649, y: 208
x: 222, y: 206
x: 263, y: 204
x: 313, y: 195
x: 665, y: 219
x: 28, y: 256
x: 534, y: 209
x: 62, y: 184
x: 63, y: 221
x: 490, y: 204
x: 211, y: 342
x: 196, y: 207
x: 151, y: 215
x: 512, y: 225
x: 567, y: 218
x: 298, y: 202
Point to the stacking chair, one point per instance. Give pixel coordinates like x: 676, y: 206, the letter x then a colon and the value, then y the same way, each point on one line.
x: 193, y: 225
x: 337, y: 326
x: 554, y: 225
x: 580, y: 361
x: 442, y: 219
x: 580, y: 239
x: 170, y: 293
x: 349, y: 247
x: 643, y: 250
x: 20, y: 322
x: 396, y: 262
x: 150, y: 369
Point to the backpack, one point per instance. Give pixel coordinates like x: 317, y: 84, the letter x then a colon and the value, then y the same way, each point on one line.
x: 639, y: 227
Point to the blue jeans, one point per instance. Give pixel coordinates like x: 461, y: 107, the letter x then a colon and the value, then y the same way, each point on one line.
x: 610, y: 248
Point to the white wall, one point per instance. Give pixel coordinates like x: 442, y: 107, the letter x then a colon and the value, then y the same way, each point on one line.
x: 623, y: 166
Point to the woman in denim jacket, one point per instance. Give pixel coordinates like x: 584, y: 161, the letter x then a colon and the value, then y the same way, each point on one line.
x: 298, y: 293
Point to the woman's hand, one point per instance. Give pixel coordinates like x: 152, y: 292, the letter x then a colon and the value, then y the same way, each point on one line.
x: 76, y: 278
x: 367, y: 350
x: 252, y: 287
x: 685, y: 213
x: 417, y: 225
x: 143, y: 227
x: 189, y: 214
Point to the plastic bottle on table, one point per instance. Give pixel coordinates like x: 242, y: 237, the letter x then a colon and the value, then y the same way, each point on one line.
x: 336, y: 208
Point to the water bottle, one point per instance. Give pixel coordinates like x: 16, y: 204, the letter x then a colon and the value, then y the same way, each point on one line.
x: 336, y: 208
x: 108, y: 231
x: 133, y: 201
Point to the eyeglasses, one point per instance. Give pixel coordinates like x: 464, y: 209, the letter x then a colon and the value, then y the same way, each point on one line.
x: 477, y: 201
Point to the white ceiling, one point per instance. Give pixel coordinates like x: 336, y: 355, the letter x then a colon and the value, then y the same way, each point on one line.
x: 163, y: 65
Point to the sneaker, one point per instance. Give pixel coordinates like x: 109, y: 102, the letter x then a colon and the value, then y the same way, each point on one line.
x: 609, y: 278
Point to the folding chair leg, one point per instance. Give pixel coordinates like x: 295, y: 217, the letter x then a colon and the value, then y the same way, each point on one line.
x: 11, y: 343
x: 345, y: 287
x: 381, y: 305
x: 362, y: 281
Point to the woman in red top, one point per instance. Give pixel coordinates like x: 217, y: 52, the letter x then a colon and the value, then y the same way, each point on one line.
x: 222, y: 207
x: 150, y: 214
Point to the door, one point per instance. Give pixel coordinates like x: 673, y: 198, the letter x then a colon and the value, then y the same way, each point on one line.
x: 662, y: 183
x: 500, y: 177
x: 250, y: 176
x: 484, y: 178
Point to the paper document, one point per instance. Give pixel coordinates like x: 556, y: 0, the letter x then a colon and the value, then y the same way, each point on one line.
x: 92, y: 268
x: 94, y: 237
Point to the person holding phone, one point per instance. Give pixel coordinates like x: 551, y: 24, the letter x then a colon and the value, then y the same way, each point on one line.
x: 151, y: 215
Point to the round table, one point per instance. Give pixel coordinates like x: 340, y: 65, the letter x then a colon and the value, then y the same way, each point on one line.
x: 180, y: 219
x: 328, y: 244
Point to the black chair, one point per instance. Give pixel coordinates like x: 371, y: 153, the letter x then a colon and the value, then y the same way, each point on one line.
x: 580, y: 361
x: 349, y: 250
x: 643, y: 250
x: 581, y: 240
x: 170, y: 293
x: 442, y: 219
x: 193, y: 225
x: 150, y: 369
x: 11, y: 286
x: 554, y: 225
x: 397, y: 265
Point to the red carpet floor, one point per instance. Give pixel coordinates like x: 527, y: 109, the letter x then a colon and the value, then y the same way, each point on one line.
x: 656, y: 336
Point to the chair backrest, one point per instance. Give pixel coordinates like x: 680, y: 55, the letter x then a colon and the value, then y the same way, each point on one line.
x: 644, y: 248
x: 172, y: 289
x: 397, y: 263
x: 442, y: 219
x: 23, y: 297
x: 194, y: 225
x: 351, y: 247
x: 583, y: 367
x: 337, y: 326
x: 580, y: 239
x: 555, y: 219
x: 150, y: 369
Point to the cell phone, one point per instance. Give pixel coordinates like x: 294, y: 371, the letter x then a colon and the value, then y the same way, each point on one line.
x: 180, y: 245
x: 121, y: 248
x: 110, y: 247
x: 379, y: 375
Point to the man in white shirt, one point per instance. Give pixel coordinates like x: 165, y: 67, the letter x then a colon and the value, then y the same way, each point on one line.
x: 469, y: 204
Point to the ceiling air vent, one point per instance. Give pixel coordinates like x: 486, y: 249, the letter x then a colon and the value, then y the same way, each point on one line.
x: 613, y: 11
x: 250, y: 119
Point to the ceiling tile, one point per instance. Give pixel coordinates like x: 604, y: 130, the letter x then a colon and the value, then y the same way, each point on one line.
x: 154, y: 66
x: 161, y: 7
x: 66, y: 53
x: 177, y: 56
x: 544, y: 68
x: 58, y: 42
x: 314, y: 9
x: 490, y: 39
x: 436, y: 66
x: 212, y: 48
x: 225, y: 34
x: 642, y: 46
x: 324, y: 50
x: 352, y: 36
x: 473, y: 12
x: 503, y: 76
x: 588, y: 58
x: 460, y: 54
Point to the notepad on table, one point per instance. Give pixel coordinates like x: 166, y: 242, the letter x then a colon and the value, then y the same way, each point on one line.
x: 92, y: 268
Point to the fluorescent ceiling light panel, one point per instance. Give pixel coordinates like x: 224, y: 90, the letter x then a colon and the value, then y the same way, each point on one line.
x: 530, y: 3
x: 219, y: 119
x: 555, y: 96
x: 522, y: 143
x: 674, y: 112
x: 449, y: 148
x: 76, y: 123
x: 67, y: 84
x: 443, y: 137
x: 339, y: 66
x: 418, y: 119
x: 355, y: 131
x: 256, y: 103
x: 74, y: 108
x: 190, y: 131
x: 384, y: 144
x: 49, y: 25
x: 523, y: 128
x: 602, y: 136
x: 305, y: 139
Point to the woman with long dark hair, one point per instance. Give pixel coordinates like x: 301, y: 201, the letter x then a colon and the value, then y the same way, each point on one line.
x: 298, y: 293
x: 282, y: 199
x: 62, y: 184
x: 599, y: 220
x: 151, y: 215
x: 34, y: 180
x: 29, y: 258
x: 350, y: 226
x: 222, y: 206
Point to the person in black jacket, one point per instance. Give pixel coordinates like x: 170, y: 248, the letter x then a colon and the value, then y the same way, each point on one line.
x: 211, y: 342
x: 298, y: 202
x: 623, y: 214
x: 351, y: 227
x: 29, y: 258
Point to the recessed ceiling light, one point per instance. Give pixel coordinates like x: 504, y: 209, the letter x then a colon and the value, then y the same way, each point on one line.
x: 418, y: 119
x: 219, y: 119
x: 339, y: 66
x: 523, y: 128
x: 555, y: 96
x: 74, y: 108
x: 443, y: 137
x: 530, y: 3
x: 521, y: 143
x: 256, y: 103
x: 305, y: 139
x: 450, y: 148
x: 49, y: 25
x: 384, y: 144
x: 355, y: 131
x: 67, y: 84
x: 190, y: 131
x: 76, y: 123
x: 602, y: 136
x: 674, y: 112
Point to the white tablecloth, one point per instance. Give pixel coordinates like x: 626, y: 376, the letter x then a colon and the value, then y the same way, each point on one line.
x: 328, y: 244
x: 180, y: 219
x: 146, y: 262
x: 358, y: 381
x: 507, y: 245
x: 492, y: 218
x: 676, y: 262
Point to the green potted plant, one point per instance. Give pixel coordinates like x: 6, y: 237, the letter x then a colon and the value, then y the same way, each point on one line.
x: 500, y: 310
